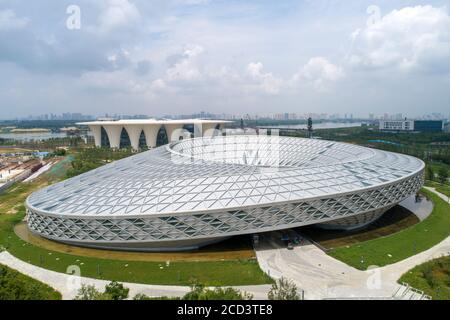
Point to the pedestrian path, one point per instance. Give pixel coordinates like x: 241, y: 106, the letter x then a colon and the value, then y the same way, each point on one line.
x: 441, y: 195
x: 323, y: 277
x: 68, y: 285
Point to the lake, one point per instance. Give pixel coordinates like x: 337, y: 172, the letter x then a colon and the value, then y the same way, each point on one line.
x: 30, y: 136
x: 320, y: 125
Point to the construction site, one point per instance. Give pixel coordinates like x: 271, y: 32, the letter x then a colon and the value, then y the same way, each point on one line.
x: 21, y: 165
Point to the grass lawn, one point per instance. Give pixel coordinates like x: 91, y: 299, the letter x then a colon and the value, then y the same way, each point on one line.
x: 394, y: 220
x: 401, y: 245
x: 442, y: 188
x: 13, y: 150
x: 17, y: 286
x: 436, y: 166
x: 211, y: 273
x: 432, y: 277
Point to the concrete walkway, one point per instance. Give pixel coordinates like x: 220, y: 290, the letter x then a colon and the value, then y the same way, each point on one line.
x: 421, y: 209
x: 320, y: 275
x: 68, y: 285
x: 39, y: 172
x: 441, y: 195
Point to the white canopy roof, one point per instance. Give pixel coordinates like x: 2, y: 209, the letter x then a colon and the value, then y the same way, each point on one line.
x: 150, y: 121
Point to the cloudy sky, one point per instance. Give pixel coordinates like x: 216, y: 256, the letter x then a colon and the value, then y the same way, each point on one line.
x: 224, y: 56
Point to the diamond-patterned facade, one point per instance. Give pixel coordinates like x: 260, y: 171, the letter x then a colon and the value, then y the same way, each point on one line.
x: 216, y: 187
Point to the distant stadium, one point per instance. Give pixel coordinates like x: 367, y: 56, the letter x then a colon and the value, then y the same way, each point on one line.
x: 198, y: 191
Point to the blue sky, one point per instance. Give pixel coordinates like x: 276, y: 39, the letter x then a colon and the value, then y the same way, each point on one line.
x: 183, y: 56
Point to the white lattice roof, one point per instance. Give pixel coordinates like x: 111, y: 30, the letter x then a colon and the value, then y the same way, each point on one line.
x: 219, y: 173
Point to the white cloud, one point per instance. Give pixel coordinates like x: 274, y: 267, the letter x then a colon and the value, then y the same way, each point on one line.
x: 183, y: 73
x: 158, y: 84
x: 9, y: 20
x: 193, y: 51
x: 120, y: 59
x: 265, y: 81
x: 186, y: 69
x: 117, y: 14
x: 119, y: 81
x: 321, y: 68
x: 194, y: 2
x: 320, y: 72
x: 412, y: 38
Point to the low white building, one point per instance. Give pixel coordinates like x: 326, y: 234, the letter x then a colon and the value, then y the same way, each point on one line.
x: 113, y: 132
x: 397, y: 125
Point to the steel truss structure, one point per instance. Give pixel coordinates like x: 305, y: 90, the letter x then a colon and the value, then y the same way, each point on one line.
x: 196, y: 191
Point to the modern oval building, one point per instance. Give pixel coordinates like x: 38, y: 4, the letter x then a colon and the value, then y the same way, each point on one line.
x: 198, y: 191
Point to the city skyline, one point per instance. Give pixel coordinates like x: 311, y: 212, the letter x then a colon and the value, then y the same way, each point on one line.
x: 227, y: 116
x: 176, y: 57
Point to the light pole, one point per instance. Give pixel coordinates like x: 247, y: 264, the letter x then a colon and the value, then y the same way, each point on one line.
x: 310, y: 127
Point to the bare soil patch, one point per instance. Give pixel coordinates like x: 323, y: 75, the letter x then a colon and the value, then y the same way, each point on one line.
x: 236, y: 248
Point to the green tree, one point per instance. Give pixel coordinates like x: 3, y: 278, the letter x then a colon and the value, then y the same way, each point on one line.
x: 429, y: 173
x: 116, y: 291
x: 283, y: 289
x: 17, y: 286
x: 428, y: 275
x: 141, y: 296
x: 443, y: 175
x: 60, y: 152
x: 199, y: 292
x: 89, y: 292
x: 91, y: 158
